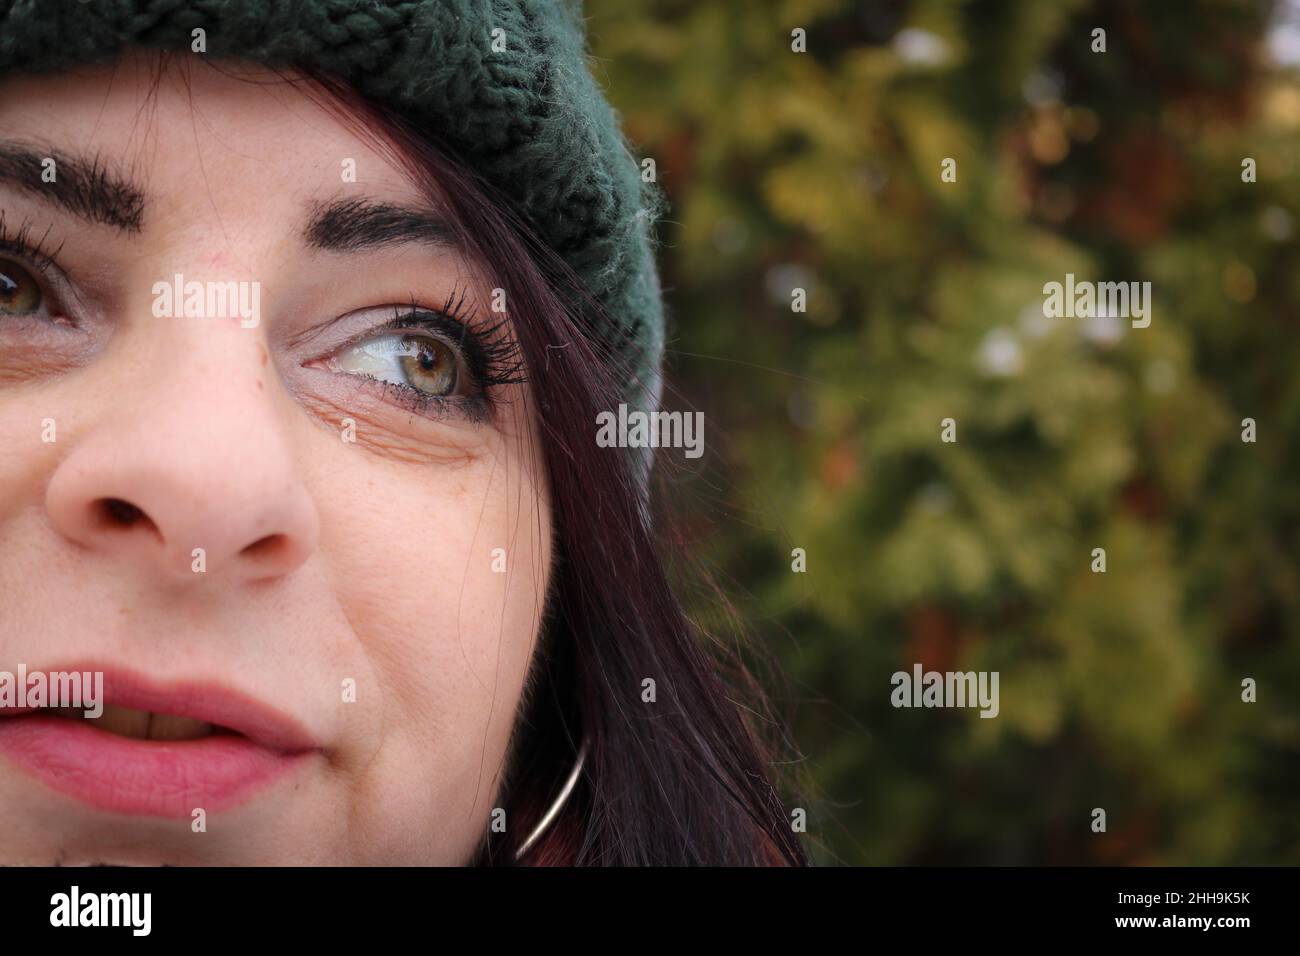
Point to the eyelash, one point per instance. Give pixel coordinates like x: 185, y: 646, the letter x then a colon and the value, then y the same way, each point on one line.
x: 492, y: 358
x: 18, y: 243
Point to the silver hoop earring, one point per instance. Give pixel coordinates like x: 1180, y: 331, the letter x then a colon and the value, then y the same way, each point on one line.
x: 558, y: 805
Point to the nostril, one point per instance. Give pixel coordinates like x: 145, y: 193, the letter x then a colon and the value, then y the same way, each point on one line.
x: 120, y: 512
x: 267, y: 547
x: 117, y: 513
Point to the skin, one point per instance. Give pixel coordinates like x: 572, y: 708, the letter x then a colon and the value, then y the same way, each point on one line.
x: 380, y: 567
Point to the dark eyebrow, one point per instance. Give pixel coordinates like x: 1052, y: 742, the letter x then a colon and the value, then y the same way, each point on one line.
x: 87, y: 187
x: 353, y: 225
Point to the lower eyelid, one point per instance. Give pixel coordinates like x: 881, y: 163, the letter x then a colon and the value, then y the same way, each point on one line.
x: 386, y: 429
x: 466, y: 408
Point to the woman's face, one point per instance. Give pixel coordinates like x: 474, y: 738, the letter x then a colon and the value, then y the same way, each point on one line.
x: 257, y: 503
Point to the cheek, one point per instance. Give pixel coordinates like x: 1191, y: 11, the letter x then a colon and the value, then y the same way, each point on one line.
x: 441, y: 573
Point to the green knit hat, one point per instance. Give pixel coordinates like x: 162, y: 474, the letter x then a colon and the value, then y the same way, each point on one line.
x: 503, y: 82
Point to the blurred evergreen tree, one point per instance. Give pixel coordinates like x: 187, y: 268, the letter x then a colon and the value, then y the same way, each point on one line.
x: 821, y: 171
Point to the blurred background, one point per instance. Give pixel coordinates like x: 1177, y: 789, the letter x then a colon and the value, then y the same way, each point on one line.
x: 821, y: 171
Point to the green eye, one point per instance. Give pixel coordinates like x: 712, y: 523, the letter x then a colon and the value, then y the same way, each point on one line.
x: 429, y: 364
x: 424, y: 363
x: 20, y: 294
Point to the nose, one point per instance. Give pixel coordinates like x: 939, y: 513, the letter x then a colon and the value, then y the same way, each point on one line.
x: 189, y: 483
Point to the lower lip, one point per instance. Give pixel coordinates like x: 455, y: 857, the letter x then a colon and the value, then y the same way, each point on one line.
x: 142, y: 777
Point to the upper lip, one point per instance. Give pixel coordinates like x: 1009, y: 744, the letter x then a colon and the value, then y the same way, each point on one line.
x: 201, y: 700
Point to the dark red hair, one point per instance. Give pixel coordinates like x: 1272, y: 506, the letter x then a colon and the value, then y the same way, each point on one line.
x: 685, y: 780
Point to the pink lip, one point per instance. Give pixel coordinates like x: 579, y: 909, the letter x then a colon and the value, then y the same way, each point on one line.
x: 159, y: 778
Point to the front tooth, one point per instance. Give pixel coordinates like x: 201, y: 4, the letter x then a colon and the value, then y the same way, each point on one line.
x: 123, y: 721
x: 171, y: 727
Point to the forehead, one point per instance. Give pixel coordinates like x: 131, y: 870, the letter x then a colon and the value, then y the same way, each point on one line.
x: 198, y: 136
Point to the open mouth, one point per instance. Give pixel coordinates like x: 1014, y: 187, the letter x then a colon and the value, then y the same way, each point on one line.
x: 157, y: 750
x: 144, y: 724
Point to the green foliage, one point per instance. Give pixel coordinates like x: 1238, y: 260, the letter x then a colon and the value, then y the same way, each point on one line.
x: 821, y: 170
